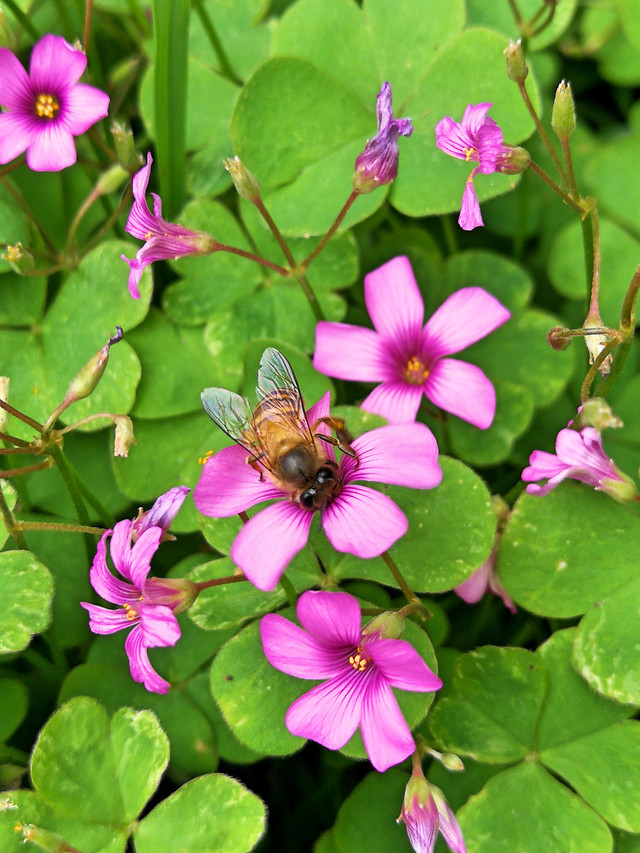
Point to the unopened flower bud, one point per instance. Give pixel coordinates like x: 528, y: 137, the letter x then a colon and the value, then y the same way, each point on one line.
x: 512, y: 159
x: 622, y: 490
x: 86, y: 380
x: 246, y: 184
x: 563, y: 114
x: 19, y: 258
x: 161, y: 513
x: 176, y: 593
x: 388, y: 626
x: 596, y: 413
x: 558, y: 338
x: 517, y: 68
x: 595, y: 344
x: 128, y: 157
x: 111, y: 180
x: 124, y: 436
x: 452, y: 762
x: 43, y: 839
x: 424, y: 812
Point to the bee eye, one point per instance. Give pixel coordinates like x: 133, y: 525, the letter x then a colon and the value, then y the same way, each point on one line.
x: 307, y: 499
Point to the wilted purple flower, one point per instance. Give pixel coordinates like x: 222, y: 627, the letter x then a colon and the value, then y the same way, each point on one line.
x: 409, y: 360
x: 163, y: 239
x: 47, y: 107
x: 359, y: 671
x: 162, y: 512
x: 477, y: 139
x: 358, y: 519
x: 424, y: 812
x: 378, y: 163
x: 579, y: 456
x: 148, y: 605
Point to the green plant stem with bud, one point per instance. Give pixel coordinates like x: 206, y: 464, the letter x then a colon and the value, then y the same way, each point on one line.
x: 408, y: 593
x: 283, y: 271
x: 332, y: 230
x: 541, y: 131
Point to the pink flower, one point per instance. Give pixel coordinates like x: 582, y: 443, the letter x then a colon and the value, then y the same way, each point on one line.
x: 378, y: 163
x: 163, y: 240
x: 358, y: 670
x: 408, y: 360
x: 484, y: 579
x: 477, y: 139
x: 48, y: 107
x: 144, y: 602
x: 162, y: 512
x: 579, y: 456
x: 358, y: 519
x: 424, y: 812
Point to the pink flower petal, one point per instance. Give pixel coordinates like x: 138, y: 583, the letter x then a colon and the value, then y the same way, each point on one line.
x: 15, y: 86
x: 321, y: 409
x: 449, y: 827
x: 290, y: 649
x: 474, y: 117
x: 269, y: 540
x: 543, y: 465
x: 141, y: 554
x: 462, y: 389
x: 397, y: 401
x: 470, y: 216
x: 401, y: 666
x: 400, y: 454
x: 121, y: 547
x: 363, y: 522
x: 463, y: 318
x: 351, y: 352
x: 329, y: 713
x: 141, y: 669
x: 453, y: 139
x: 84, y: 106
x: 104, y: 583
x: 385, y: 733
x: 394, y: 301
x: 332, y: 618
x: 16, y: 134
x: 159, y: 625
x: 228, y: 484
x: 51, y: 149
x: 55, y: 65
x: 105, y: 621
x: 476, y: 585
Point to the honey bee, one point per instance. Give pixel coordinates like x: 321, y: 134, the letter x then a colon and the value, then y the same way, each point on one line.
x: 277, y: 434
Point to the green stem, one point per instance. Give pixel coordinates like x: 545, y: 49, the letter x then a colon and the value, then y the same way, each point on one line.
x: 616, y: 368
x: 516, y: 13
x: 449, y: 234
x: 90, y: 498
x: 219, y: 581
x: 543, y: 134
x: 28, y: 212
x: 59, y: 528
x: 256, y: 258
x: 628, y: 312
x: 216, y: 44
x: 108, y: 225
x: 589, y: 245
x: 287, y: 586
x: 23, y: 19
x: 27, y: 469
x: 20, y: 415
x: 88, y: 11
x: 408, y: 593
x: 19, y: 442
x: 338, y: 221
x: 10, y: 523
x: 76, y: 498
x: 566, y: 198
x: 312, y: 299
x: 571, y: 178
x: 593, y: 369
x: 275, y: 231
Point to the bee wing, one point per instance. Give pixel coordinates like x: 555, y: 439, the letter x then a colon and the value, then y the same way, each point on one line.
x: 278, y: 383
x: 230, y: 412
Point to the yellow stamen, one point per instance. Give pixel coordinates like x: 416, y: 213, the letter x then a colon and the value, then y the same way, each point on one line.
x: 47, y: 106
x: 357, y: 661
x: 206, y: 456
x: 415, y: 371
x: 131, y: 613
x: 468, y: 153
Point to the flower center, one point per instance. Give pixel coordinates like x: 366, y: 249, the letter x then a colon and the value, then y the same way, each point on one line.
x: 415, y: 371
x: 47, y: 106
x: 358, y: 661
x: 131, y: 613
x: 468, y: 153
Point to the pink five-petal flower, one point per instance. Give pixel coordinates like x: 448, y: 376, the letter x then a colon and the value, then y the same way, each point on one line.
x: 153, y: 624
x: 378, y: 163
x: 579, y: 456
x: 476, y: 139
x: 358, y: 519
x: 47, y: 107
x: 359, y: 669
x: 407, y: 359
x: 163, y: 240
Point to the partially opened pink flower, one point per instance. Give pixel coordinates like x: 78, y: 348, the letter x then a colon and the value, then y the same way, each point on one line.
x: 478, y: 139
x: 358, y: 519
x: 47, y: 107
x: 358, y: 670
x: 408, y: 360
x: 163, y: 240
x: 579, y: 456
x: 484, y: 579
x: 424, y: 812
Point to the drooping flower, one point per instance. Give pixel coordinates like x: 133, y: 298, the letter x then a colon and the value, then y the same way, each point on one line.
x: 410, y: 360
x: 378, y: 163
x: 424, y: 812
x: 579, y: 456
x: 162, y: 512
x: 478, y: 139
x: 148, y: 605
x: 358, y: 519
x: 46, y: 108
x: 163, y: 240
x: 358, y: 669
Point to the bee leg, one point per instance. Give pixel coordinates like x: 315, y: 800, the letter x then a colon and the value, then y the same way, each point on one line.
x: 343, y: 438
x: 251, y: 460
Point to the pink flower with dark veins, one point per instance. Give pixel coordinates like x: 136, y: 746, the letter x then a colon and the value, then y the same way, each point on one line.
x: 424, y: 812
x: 357, y: 519
x: 46, y: 108
x: 163, y: 240
x: 378, y: 163
x: 409, y: 360
x: 358, y: 671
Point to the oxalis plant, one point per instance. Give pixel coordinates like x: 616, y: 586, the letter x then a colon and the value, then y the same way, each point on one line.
x: 318, y: 409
